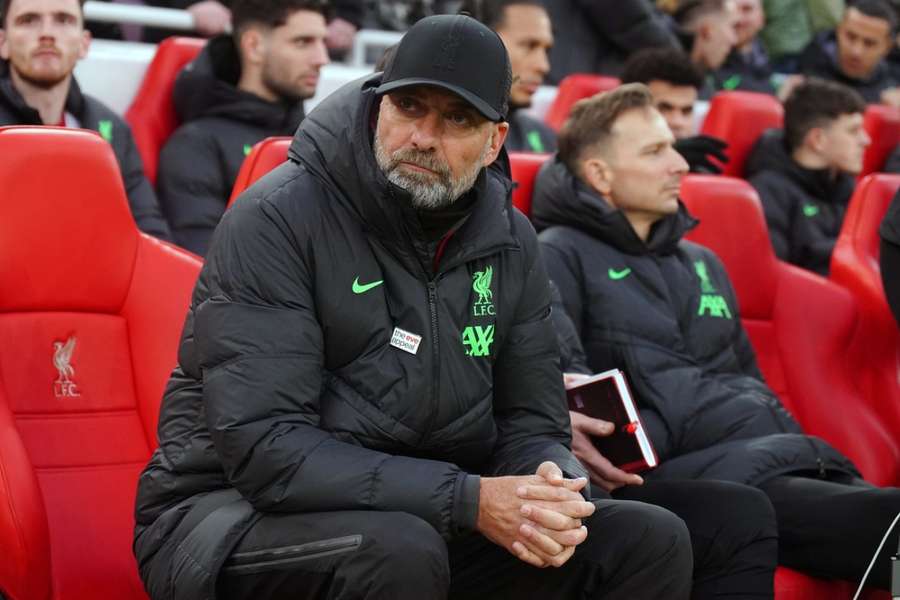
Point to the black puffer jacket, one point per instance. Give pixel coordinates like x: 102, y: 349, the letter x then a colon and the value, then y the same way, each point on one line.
x: 199, y: 163
x: 819, y: 59
x: 598, y: 36
x: 92, y: 114
x: 664, y: 312
x: 804, y: 207
x: 288, y: 389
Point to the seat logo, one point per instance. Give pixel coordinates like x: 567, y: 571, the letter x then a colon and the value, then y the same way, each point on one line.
x: 64, y: 386
x: 481, y: 284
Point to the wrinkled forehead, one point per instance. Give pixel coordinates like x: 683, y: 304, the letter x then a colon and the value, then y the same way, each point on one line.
x: 16, y: 8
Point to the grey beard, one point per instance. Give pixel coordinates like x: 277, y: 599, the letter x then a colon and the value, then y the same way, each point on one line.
x: 428, y: 192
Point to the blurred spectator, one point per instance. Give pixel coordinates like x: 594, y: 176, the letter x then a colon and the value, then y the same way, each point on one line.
x: 400, y: 15
x: 708, y: 28
x: 598, y: 36
x: 674, y: 82
x: 805, y: 175
x: 240, y: 90
x: 346, y: 21
x: 854, y: 53
x: 525, y: 29
x: 747, y: 66
x: 40, y: 43
x: 890, y: 255
x: 211, y: 18
x: 791, y: 24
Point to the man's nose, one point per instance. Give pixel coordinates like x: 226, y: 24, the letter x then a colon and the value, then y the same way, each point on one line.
x: 426, y: 131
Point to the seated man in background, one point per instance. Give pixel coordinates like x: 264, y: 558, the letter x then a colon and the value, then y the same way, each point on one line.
x: 525, y: 29
x: 662, y: 309
x: 708, y: 34
x: 854, y: 53
x: 242, y: 88
x: 674, y: 82
x: 805, y: 174
x: 40, y: 42
x: 747, y: 66
x: 368, y: 402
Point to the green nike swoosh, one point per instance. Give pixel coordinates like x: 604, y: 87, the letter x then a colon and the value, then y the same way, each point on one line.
x: 359, y: 288
x: 810, y: 210
x: 617, y: 275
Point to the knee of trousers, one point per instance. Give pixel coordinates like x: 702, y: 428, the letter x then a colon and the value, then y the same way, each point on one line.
x: 403, y: 552
x: 743, y: 513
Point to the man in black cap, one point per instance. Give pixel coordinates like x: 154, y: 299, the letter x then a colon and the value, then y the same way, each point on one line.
x: 368, y: 402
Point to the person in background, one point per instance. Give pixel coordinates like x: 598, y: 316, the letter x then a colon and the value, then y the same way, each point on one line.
x: 526, y: 31
x: 241, y: 89
x: 791, y: 25
x: 805, y: 174
x: 40, y: 43
x: 707, y: 30
x: 674, y: 82
x: 747, y: 66
x: 854, y: 54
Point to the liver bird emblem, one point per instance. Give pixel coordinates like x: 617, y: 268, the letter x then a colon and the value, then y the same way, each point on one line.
x: 482, y: 284
x: 62, y: 359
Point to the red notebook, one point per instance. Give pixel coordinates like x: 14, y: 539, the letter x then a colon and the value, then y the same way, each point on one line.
x: 607, y: 396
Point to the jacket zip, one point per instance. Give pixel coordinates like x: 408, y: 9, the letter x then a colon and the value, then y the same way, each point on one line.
x: 260, y: 561
x: 435, y: 357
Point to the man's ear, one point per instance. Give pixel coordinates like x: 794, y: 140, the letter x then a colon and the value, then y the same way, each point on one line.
x: 598, y: 174
x: 252, y: 46
x: 4, y: 47
x: 815, y: 139
x: 85, y: 44
x: 498, y: 136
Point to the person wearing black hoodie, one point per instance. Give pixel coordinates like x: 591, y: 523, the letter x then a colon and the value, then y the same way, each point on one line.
x: 40, y: 43
x: 663, y: 310
x: 238, y: 91
x: 804, y: 175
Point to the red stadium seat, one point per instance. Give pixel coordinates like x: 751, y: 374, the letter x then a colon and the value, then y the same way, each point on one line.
x: 739, y: 118
x: 152, y: 114
x: 524, y: 167
x: 882, y: 123
x: 802, y: 326
x: 572, y: 89
x: 854, y: 265
x: 265, y: 156
x: 90, y: 315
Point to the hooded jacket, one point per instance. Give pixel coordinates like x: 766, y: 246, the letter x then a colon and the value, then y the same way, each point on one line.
x: 289, y: 395
x: 804, y: 207
x: 92, y: 114
x: 665, y: 313
x: 819, y: 59
x: 220, y: 124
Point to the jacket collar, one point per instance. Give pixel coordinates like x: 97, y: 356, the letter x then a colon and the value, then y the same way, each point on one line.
x: 25, y: 114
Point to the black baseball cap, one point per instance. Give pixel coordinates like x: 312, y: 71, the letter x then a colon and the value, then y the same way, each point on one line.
x: 458, y: 54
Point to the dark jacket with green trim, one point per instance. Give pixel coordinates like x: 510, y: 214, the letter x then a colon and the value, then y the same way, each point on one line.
x: 527, y: 134
x: 664, y: 312
x: 288, y: 388
x: 220, y: 123
x: 804, y: 207
x: 92, y: 114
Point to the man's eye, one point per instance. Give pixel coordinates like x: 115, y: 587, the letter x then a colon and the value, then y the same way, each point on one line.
x: 460, y: 119
x: 406, y: 104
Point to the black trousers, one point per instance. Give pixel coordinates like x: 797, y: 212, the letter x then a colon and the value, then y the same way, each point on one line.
x: 734, y: 535
x: 633, y: 550
x: 831, y: 529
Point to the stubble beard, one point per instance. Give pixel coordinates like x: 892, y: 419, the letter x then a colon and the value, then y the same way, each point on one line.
x: 427, y: 191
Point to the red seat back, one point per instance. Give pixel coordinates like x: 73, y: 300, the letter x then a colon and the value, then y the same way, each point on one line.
x: 90, y: 315
x: 882, y: 123
x: 854, y: 265
x: 524, y: 168
x: 801, y: 326
x: 572, y: 89
x: 152, y: 115
x: 739, y: 118
x: 265, y: 156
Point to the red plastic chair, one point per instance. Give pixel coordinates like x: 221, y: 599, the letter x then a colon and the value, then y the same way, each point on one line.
x: 572, y: 89
x: 265, y: 156
x: 739, y: 118
x: 152, y: 114
x: 90, y: 315
x: 854, y: 265
x: 800, y: 324
x: 882, y: 123
x: 525, y: 167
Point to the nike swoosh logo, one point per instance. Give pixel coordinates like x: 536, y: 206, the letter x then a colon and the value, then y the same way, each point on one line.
x: 617, y: 275
x: 362, y: 288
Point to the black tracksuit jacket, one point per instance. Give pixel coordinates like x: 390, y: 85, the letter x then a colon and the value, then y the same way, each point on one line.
x: 220, y: 123
x: 804, y: 208
x: 289, y: 397
x: 92, y: 114
x: 665, y: 312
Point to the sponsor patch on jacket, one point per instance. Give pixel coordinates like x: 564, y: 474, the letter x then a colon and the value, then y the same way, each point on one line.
x: 406, y: 341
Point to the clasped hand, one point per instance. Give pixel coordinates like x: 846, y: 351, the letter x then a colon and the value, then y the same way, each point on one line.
x: 536, y: 517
